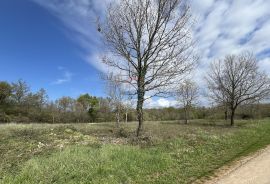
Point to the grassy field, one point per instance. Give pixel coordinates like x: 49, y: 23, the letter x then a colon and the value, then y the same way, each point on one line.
x: 168, y: 152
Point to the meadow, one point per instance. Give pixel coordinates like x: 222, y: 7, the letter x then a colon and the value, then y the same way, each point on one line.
x: 167, y: 152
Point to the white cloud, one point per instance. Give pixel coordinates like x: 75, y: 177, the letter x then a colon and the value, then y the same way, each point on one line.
x: 265, y: 65
x: 96, y: 61
x: 229, y: 27
x: 160, y: 103
x: 66, y: 76
x: 79, y: 18
x: 222, y: 27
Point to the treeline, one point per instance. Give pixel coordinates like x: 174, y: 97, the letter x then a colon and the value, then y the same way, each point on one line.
x: 19, y: 104
x: 258, y: 111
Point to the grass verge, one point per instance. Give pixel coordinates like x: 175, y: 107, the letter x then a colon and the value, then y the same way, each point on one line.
x: 82, y: 153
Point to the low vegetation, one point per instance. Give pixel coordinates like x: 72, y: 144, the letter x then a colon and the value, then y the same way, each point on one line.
x: 167, y: 152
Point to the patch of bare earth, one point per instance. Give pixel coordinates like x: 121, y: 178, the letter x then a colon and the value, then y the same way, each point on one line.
x: 254, y: 169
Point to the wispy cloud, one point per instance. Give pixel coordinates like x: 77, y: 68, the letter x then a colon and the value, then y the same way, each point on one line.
x: 79, y: 19
x: 226, y: 27
x: 222, y: 27
x: 230, y: 27
x: 66, y: 76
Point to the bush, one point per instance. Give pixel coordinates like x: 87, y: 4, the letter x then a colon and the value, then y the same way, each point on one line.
x: 121, y: 132
x: 4, y: 118
x: 21, y: 119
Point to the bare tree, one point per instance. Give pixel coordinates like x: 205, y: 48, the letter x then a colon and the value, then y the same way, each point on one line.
x: 116, y: 95
x: 237, y: 80
x: 128, y: 106
x: 20, y: 91
x: 187, y: 94
x: 149, y: 44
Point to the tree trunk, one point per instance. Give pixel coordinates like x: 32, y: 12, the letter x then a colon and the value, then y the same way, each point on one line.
x: 186, y: 115
x: 140, y: 110
x: 117, y: 119
x: 226, y: 114
x: 232, y: 116
x: 126, y: 117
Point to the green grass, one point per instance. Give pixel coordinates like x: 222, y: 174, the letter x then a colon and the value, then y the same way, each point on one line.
x: 83, y: 153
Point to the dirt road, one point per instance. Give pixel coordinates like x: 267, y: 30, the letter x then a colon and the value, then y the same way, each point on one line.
x: 254, y: 171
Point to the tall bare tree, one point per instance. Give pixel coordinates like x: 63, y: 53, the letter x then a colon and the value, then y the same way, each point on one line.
x: 238, y: 80
x: 187, y: 94
x: 150, y: 44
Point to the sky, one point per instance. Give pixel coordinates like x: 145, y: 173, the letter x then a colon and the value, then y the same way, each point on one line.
x: 54, y: 44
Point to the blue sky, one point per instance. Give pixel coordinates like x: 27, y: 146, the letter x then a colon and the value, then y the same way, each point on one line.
x: 35, y: 47
x: 54, y: 43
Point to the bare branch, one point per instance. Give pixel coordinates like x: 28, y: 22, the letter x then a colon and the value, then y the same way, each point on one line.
x: 236, y: 80
x: 152, y: 42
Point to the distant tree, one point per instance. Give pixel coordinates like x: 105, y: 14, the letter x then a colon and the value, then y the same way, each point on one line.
x: 80, y: 112
x: 34, y: 106
x: 238, y: 80
x: 20, y: 91
x: 89, y: 104
x: 65, y: 104
x: 5, y: 92
x: 105, y: 110
x: 152, y: 44
x: 66, y: 108
x: 116, y: 95
x: 31, y: 101
x: 42, y: 98
x: 86, y: 101
x: 127, y: 105
x: 187, y: 94
x: 53, y: 111
x: 92, y: 111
